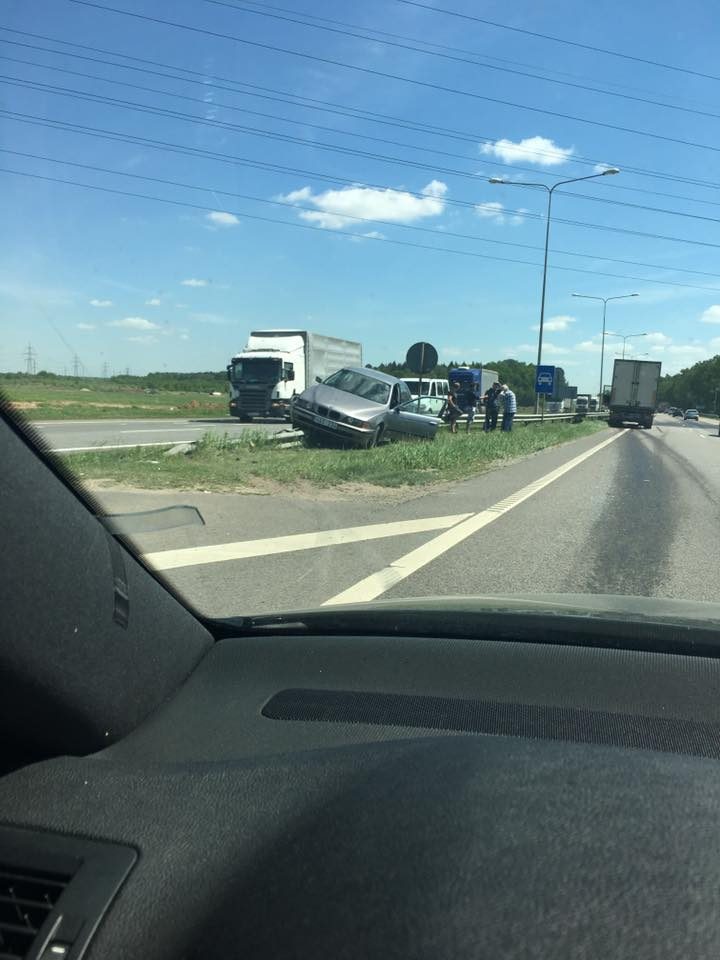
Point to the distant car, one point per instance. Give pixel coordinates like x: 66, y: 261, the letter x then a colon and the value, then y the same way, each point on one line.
x: 364, y: 407
x: 545, y: 379
x: 691, y: 415
x: 677, y: 413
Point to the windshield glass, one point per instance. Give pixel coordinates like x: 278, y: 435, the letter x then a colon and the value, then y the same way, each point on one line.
x: 414, y: 387
x: 361, y: 386
x: 256, y: 368
x: 525, y: 204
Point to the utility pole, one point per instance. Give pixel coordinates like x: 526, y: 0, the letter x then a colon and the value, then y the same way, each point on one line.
x: 105, y: 369
x: 30, y: 360
x: 76, y: 365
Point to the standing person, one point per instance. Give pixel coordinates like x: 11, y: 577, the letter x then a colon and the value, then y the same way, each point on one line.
x: 468, y: 402
x: 453, y: 406
x: 492, y: 403
x: 509, y: 408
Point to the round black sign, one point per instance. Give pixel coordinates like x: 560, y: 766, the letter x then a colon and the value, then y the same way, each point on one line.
x: 421, y: 358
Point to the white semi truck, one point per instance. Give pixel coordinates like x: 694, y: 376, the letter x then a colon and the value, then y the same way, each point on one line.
x: 633, y: 395
x: 278, y: 364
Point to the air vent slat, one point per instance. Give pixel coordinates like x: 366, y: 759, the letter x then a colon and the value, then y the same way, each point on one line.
x: 26, y: 900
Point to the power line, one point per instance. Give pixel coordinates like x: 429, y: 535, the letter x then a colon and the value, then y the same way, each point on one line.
x: 569, y: 43
x: 401, y: 43
x: 318, y: 144
x: 445, y: 47
x: 325, y: 128
x: 342, y: 213
x: 394, y: 76
x: 265, y: 165
x: 30, y: 358
x: 375, y: 239
x: 348, y: 111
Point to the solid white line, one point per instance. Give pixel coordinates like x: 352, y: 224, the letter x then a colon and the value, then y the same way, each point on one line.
x: 377, y: 583
x: 121, y: 446
x: 167, y: 430
x: 243, y: 549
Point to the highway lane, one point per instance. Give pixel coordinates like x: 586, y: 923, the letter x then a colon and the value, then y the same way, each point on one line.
x: 69, y: 435
x: 639, y: 515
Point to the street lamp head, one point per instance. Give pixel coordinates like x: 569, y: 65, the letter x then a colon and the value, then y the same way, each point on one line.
x: 496, y: 180
x: 611, y: 171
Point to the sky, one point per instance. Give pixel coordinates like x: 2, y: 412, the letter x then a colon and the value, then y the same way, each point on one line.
x: 175, y: 179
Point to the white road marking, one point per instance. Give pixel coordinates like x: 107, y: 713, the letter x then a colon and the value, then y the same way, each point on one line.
x: 122, y: 446
x: 167, y: 430
x: 378, y: 583
x: 244, y: 549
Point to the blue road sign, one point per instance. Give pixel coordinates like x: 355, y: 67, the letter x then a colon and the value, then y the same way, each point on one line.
x: 545, y: 380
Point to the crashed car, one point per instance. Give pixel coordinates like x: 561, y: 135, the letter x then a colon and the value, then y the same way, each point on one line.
x: 364, y: 407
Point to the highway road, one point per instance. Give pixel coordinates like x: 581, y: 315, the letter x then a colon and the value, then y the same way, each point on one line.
x: 66, y: 436
x: 621, y: 512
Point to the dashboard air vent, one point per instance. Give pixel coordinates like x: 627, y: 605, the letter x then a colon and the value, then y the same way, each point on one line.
x: 26, y: 900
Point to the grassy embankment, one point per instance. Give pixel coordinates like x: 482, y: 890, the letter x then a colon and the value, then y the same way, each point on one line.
x: 98, y: 399
x: 218, y: 463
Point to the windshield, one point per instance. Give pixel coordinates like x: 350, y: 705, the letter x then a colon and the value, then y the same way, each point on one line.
x: 256, y: 368
x: 527, y: 202
x: 361, y: 386
x: 414, y: 387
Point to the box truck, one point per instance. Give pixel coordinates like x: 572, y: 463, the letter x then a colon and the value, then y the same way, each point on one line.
x: 633, y: 395
x: 278, y: 364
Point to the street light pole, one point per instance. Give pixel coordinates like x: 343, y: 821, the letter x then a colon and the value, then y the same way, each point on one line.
x: 605, y: 301
x: 550, y: 189
x: 625, y: 338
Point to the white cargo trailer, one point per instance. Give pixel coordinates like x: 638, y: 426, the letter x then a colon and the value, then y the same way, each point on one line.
x: 278, y: 364
x: 633, y: 395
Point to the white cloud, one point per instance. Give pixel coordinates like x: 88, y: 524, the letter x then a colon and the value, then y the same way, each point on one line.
x: 656, y: 338
x: 153, y: 302
x: 374, y: 235
x: 688, y: 350
x: 715, y: 343
x: 555, y: 324
x: 338, y: 208
x: 711, y: 315
x: 85, y: 326
x: 101, y: 303
x: 143, y: 338
x: 193, y: 282
x: 541, y: 151
x: 134, y: 323
x: 495, y: 211
x: 588, y: 346
x: 549, y: 349
x: 184, y: 336
x: 221, y: 219
x: 213, y: 318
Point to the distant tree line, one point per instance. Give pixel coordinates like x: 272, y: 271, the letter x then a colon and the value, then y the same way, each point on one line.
x: 519, y: 376
x: 204, y: 382
x: 697, y: 386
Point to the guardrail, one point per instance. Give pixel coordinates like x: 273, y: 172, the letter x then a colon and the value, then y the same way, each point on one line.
x: 528, y: 418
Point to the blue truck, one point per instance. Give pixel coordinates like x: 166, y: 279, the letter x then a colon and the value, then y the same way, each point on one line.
x: 481, y: 378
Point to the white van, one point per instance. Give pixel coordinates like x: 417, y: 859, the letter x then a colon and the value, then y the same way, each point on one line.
x: 430, y: 387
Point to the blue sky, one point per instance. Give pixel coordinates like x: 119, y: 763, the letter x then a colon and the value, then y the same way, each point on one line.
x: 149, y: 285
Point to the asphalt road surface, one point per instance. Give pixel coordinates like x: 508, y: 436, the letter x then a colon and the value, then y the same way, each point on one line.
x: 621, y: 512
x: 66, y: 436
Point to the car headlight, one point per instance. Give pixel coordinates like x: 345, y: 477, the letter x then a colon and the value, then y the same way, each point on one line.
x: 299, y: 402
x: 352, y: 421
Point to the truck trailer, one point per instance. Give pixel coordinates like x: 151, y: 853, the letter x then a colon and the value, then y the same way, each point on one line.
x: 278, y: 364
x: 633, y: 395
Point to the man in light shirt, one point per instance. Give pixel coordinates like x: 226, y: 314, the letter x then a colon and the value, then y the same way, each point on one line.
x: 509, y: 407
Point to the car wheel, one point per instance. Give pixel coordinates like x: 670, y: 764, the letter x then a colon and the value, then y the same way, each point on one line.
x: 375, y: 438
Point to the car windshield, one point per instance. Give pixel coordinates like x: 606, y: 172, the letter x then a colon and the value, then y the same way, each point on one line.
x: 238, y: 235
x: 350, y: 381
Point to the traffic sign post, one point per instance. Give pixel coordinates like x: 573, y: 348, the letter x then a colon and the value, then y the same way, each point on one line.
x: 544, y: 384
x: 422, y: 359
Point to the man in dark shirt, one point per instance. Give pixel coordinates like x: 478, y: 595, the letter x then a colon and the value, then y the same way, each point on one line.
x: 468, y: 401
x: 453, y: 406
x: 492, y: 405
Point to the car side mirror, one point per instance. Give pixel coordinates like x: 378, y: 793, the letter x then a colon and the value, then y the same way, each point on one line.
x: 290, y: 375
x: 318, y: 379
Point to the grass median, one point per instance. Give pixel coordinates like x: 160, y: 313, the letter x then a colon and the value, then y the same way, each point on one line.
x: 223, y: 464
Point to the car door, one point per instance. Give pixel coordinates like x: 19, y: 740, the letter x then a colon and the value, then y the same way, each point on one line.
x: 416, y: 418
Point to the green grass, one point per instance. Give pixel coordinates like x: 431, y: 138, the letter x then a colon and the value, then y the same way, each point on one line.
x: 101, y: 399
x: 217, y: 463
